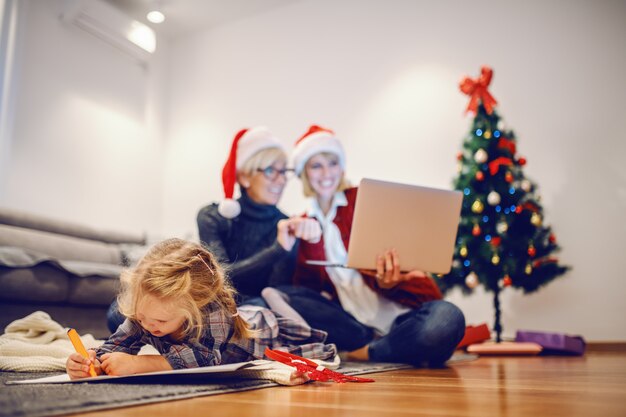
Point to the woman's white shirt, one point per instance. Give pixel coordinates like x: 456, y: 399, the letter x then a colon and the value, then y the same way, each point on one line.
x: 355, y: 296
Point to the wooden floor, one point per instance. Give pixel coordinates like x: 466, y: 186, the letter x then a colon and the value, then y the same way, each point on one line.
x: 593, y: 385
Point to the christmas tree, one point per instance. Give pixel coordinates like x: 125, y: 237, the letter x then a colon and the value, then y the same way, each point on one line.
x: 502, y: 240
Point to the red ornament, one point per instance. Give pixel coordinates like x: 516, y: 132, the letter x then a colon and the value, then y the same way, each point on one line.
x: 476, y: 230
x: 552, y: 238
x: 532, y: 251
x: 522, y: 161
x: 459, y: 156
x: 508, y: 177
x: 480, y: 176
x: 495, y: 241
x: 505, y: 143
x: 518, y: 209
x: 507, y: 281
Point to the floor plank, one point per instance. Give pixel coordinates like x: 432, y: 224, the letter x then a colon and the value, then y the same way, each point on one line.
x: 593, y: 385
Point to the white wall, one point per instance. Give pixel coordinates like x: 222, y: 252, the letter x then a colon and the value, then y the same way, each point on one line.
x: 86, y: 139
x: 384, y: 75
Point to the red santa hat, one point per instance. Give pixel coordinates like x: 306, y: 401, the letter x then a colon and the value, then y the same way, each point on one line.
x: 246, y: 143
x: 317, y: 139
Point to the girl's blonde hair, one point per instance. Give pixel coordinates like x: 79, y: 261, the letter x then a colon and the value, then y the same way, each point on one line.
x: 186, y: 274
x: 344, y: 184
x: 261, y: 160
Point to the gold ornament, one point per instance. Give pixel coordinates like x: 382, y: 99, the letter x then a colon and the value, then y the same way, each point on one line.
x: 535, y: 219
x: 478, y: 206
x: 495, y: 259
x: 487, y: 134
x: 529, y: 269
x: 463, y: 251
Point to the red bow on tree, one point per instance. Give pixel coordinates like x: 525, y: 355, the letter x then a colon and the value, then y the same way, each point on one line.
x: 495, y: 165
x: 505, y: 143
x: 477, y: 90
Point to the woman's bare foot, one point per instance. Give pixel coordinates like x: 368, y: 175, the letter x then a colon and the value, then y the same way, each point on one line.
x: 360, y: 354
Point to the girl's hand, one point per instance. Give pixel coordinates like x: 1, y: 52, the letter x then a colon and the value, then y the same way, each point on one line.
x: 288, y: 230
x: 388, y: 273
x: 78, y: 367
x: 119, y: 363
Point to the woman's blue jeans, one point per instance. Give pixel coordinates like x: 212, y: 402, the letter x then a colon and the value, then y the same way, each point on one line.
x: 427, y: 335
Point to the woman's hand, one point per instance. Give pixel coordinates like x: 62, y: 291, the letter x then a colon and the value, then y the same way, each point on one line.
x: 78, y: 367
x: 388, y: 273
x: 288, y: 230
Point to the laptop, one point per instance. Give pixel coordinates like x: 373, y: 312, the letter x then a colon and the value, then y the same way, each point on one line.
x: 421, y: 223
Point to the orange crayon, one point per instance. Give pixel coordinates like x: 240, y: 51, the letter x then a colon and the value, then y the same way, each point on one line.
x: 80, y: 348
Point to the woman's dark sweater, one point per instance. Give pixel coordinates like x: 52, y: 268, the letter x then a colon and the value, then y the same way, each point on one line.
x: 247, y: 246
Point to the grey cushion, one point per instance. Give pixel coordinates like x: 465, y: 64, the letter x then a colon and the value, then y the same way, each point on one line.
x: 60, y: 246
x: 32, y: 221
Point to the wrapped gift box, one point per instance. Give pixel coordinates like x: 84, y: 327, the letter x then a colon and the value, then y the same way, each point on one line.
x: 474, y: 334
x: 555, y: 343
x: 505, y: 348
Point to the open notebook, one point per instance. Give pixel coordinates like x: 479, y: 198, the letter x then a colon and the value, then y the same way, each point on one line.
x: 257, y: 369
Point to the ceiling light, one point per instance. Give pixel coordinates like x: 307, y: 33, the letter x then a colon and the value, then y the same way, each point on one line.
x: 155, y: 16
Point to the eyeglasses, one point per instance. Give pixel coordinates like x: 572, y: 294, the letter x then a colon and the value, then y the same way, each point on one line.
x: 272, y: 173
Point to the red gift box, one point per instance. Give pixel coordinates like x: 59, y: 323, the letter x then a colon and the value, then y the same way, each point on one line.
x: 474, y: 334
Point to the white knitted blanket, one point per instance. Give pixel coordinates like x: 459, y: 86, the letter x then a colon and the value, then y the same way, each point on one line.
x: 36, y: 343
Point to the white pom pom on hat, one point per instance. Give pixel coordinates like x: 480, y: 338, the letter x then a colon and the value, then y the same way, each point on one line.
x: 316, y: 140
x: 246, y: 143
